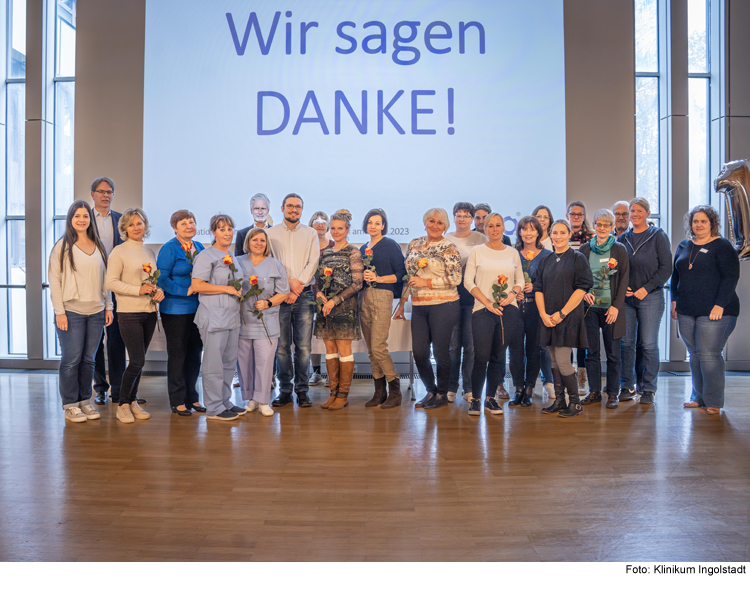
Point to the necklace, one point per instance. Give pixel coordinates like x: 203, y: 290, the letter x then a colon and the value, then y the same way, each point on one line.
x: 692, y: 258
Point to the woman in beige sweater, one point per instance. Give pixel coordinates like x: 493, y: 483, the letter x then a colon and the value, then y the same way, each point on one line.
x: 130, y: 265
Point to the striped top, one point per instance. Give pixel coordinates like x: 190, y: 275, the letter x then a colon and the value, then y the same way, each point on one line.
x: 443, y: 267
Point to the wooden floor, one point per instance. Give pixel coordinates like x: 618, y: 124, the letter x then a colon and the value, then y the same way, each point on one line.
x: 644, y: 483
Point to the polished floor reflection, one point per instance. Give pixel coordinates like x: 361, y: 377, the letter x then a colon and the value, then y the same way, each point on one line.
x: 651, y: 483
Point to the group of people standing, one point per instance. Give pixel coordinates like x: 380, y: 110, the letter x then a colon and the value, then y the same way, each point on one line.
x: 474, y: 296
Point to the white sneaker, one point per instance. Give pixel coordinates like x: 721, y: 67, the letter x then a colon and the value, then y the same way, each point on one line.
x: 550, y: 389
x: 252, y: 405
x: 138, y: 412
x: 468, y: 397
x: 266, y: 410
x: 124, y: 414
x: 451, y: 397
x: 90, y: 412
x: 75, y: 415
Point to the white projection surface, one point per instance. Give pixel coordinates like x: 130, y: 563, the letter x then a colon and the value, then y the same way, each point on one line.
x: 377, y: 103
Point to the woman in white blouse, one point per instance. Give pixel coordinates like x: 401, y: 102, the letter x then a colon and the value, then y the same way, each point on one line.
x: 83, y: 307
x: 495, y: 324
x: 130, y: 264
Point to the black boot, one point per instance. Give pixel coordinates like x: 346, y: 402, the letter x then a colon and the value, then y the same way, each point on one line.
x: 425, y: 400
x: 380, y: 394
x: 440, y: 400
x: 394, y: 395
x: 282, y: 400
x: 528, y: 396
x: 518, y: 398
x: 559, y: 404
x: 574, y: 407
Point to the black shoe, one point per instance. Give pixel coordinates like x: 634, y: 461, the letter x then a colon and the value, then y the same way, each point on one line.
x: 225, y: 415
x: 303, y: 401
x: 198, y: 408
x: 380, y: 394
x: 557, y: 406
x: 528, y: 396
x: 140, y: 400
x: 475, y: 407
x: 440, y: 400
x: 518, y: 398
x: 647, y: 397
x: 612, y: 401
x: 282, y: 400
x: 592, y: 398
x: 572, y: 410
x: 115, y: 399
x: 425, y: 400
x: 185, y: 412
x: 491, y: 405
x: 238, y: 410
x: 101, y: 398
x: 627, y: 394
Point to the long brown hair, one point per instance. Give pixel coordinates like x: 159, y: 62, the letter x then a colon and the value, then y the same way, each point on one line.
x: 71, y: 235
x: 529, y: 220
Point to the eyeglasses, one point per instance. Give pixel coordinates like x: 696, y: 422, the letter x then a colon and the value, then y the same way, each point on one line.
x: 602, y: 225
x: 621, y: 214
x: 575, y: 214
x: 464, y: 217
x: 105, y: 193
x: 294, y: 207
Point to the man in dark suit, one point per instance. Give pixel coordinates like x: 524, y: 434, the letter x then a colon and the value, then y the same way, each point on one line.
x: 107, y: 221
x: 259, y: 207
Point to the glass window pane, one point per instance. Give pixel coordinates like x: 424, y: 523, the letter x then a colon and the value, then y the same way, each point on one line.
x: 15, y: 146
x: 647, y: 140
x: 17, y: 50
x: 16, y: 269
x: 698, y: 122
x: 66, y: 38
x: 646, y: 36
x: 697, y: 36
x: 64, y: 135
x: 59, y: 229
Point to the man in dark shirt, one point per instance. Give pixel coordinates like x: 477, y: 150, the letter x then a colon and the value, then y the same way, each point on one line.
x: 259, y: 207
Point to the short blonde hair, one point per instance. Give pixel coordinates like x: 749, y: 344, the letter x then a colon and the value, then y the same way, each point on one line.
x: 606, y: 215
x: 127, y: 217
x: 251, y: 234
x: 438, y: 212
x: 492, y: 216
x: 642, y: 202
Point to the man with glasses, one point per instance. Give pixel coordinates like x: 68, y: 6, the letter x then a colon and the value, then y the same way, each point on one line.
x: 296, y: 246
x: 107, y: 222
x: 621, y: 209
x: 259, y: 208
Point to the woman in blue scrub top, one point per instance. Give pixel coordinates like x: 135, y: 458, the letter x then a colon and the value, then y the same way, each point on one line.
x: 218, y: 319
x: 259, y: 337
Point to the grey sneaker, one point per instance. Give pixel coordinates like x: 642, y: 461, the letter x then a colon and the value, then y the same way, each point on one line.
x: 491, y: 405
x: 626, y: 394
x: 647, y: 397
x: 316, y: 379
x: 225, y: 415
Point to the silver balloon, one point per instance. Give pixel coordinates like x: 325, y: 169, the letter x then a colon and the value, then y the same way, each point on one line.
x: 734, y: 182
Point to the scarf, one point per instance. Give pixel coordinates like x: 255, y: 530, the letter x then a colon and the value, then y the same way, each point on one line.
x: 604, y: 248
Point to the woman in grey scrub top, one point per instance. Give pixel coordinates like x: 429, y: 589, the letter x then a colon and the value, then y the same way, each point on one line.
x: 218, y: 319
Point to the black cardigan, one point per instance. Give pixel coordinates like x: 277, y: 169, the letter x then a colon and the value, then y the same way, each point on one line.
x: 618, y: 282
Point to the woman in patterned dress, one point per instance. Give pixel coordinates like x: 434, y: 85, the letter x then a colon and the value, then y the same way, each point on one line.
x: 339, y: 278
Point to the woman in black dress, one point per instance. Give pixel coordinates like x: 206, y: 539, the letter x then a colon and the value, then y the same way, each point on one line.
x: 559, y: 286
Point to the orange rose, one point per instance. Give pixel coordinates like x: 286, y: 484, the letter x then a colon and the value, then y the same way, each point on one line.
x: 253, y: 279
x: 227, y: 259
x: 147, y: 268
x: 368, y: 251
x: 186, y: 247
x: 327, y: 271
x: 612, y: 263
x: 422, y: 263
x: 530, y: 256
x: 502, y: 280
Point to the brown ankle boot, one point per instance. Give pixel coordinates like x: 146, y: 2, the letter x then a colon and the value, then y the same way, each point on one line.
x: 339, y: 403
x: 330, y: 401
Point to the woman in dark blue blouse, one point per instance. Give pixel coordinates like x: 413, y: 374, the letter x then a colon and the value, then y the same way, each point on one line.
x: 178, y: 309
x: 376, y: 305
x: 705, y: 303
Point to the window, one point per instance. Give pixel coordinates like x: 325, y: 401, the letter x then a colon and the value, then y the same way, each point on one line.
x: 698, y: 102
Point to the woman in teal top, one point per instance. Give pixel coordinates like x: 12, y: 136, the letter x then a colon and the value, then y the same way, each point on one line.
x: 259, y: 334
x: 218, y: 319
x: 184, y: 345
x: 610, y: 267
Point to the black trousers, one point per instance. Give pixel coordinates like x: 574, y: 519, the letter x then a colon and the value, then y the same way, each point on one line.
x: 433, y: 325
x: 115, y: 359
x: 184, y: 348
x: 137, y: 329
x: 595, y: 321
x: 492, y: 337
x: 531, y: 359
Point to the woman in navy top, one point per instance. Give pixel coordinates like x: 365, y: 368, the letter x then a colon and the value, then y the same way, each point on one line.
x: 184, y: 345
x: 376, y: 305
x: 705, y: 303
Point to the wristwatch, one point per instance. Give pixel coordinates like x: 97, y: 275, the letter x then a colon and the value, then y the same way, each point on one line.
x: 562, y: 315
x: 269, y: 303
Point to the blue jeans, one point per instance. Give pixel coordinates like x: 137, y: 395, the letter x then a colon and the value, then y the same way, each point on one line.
x: 705, y: 340
x: 79, y: 344
x: 546, y: 365
x: 462, y: 339
x: 596, y: 320
x: 296, y: 322
x: 645, y: 316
